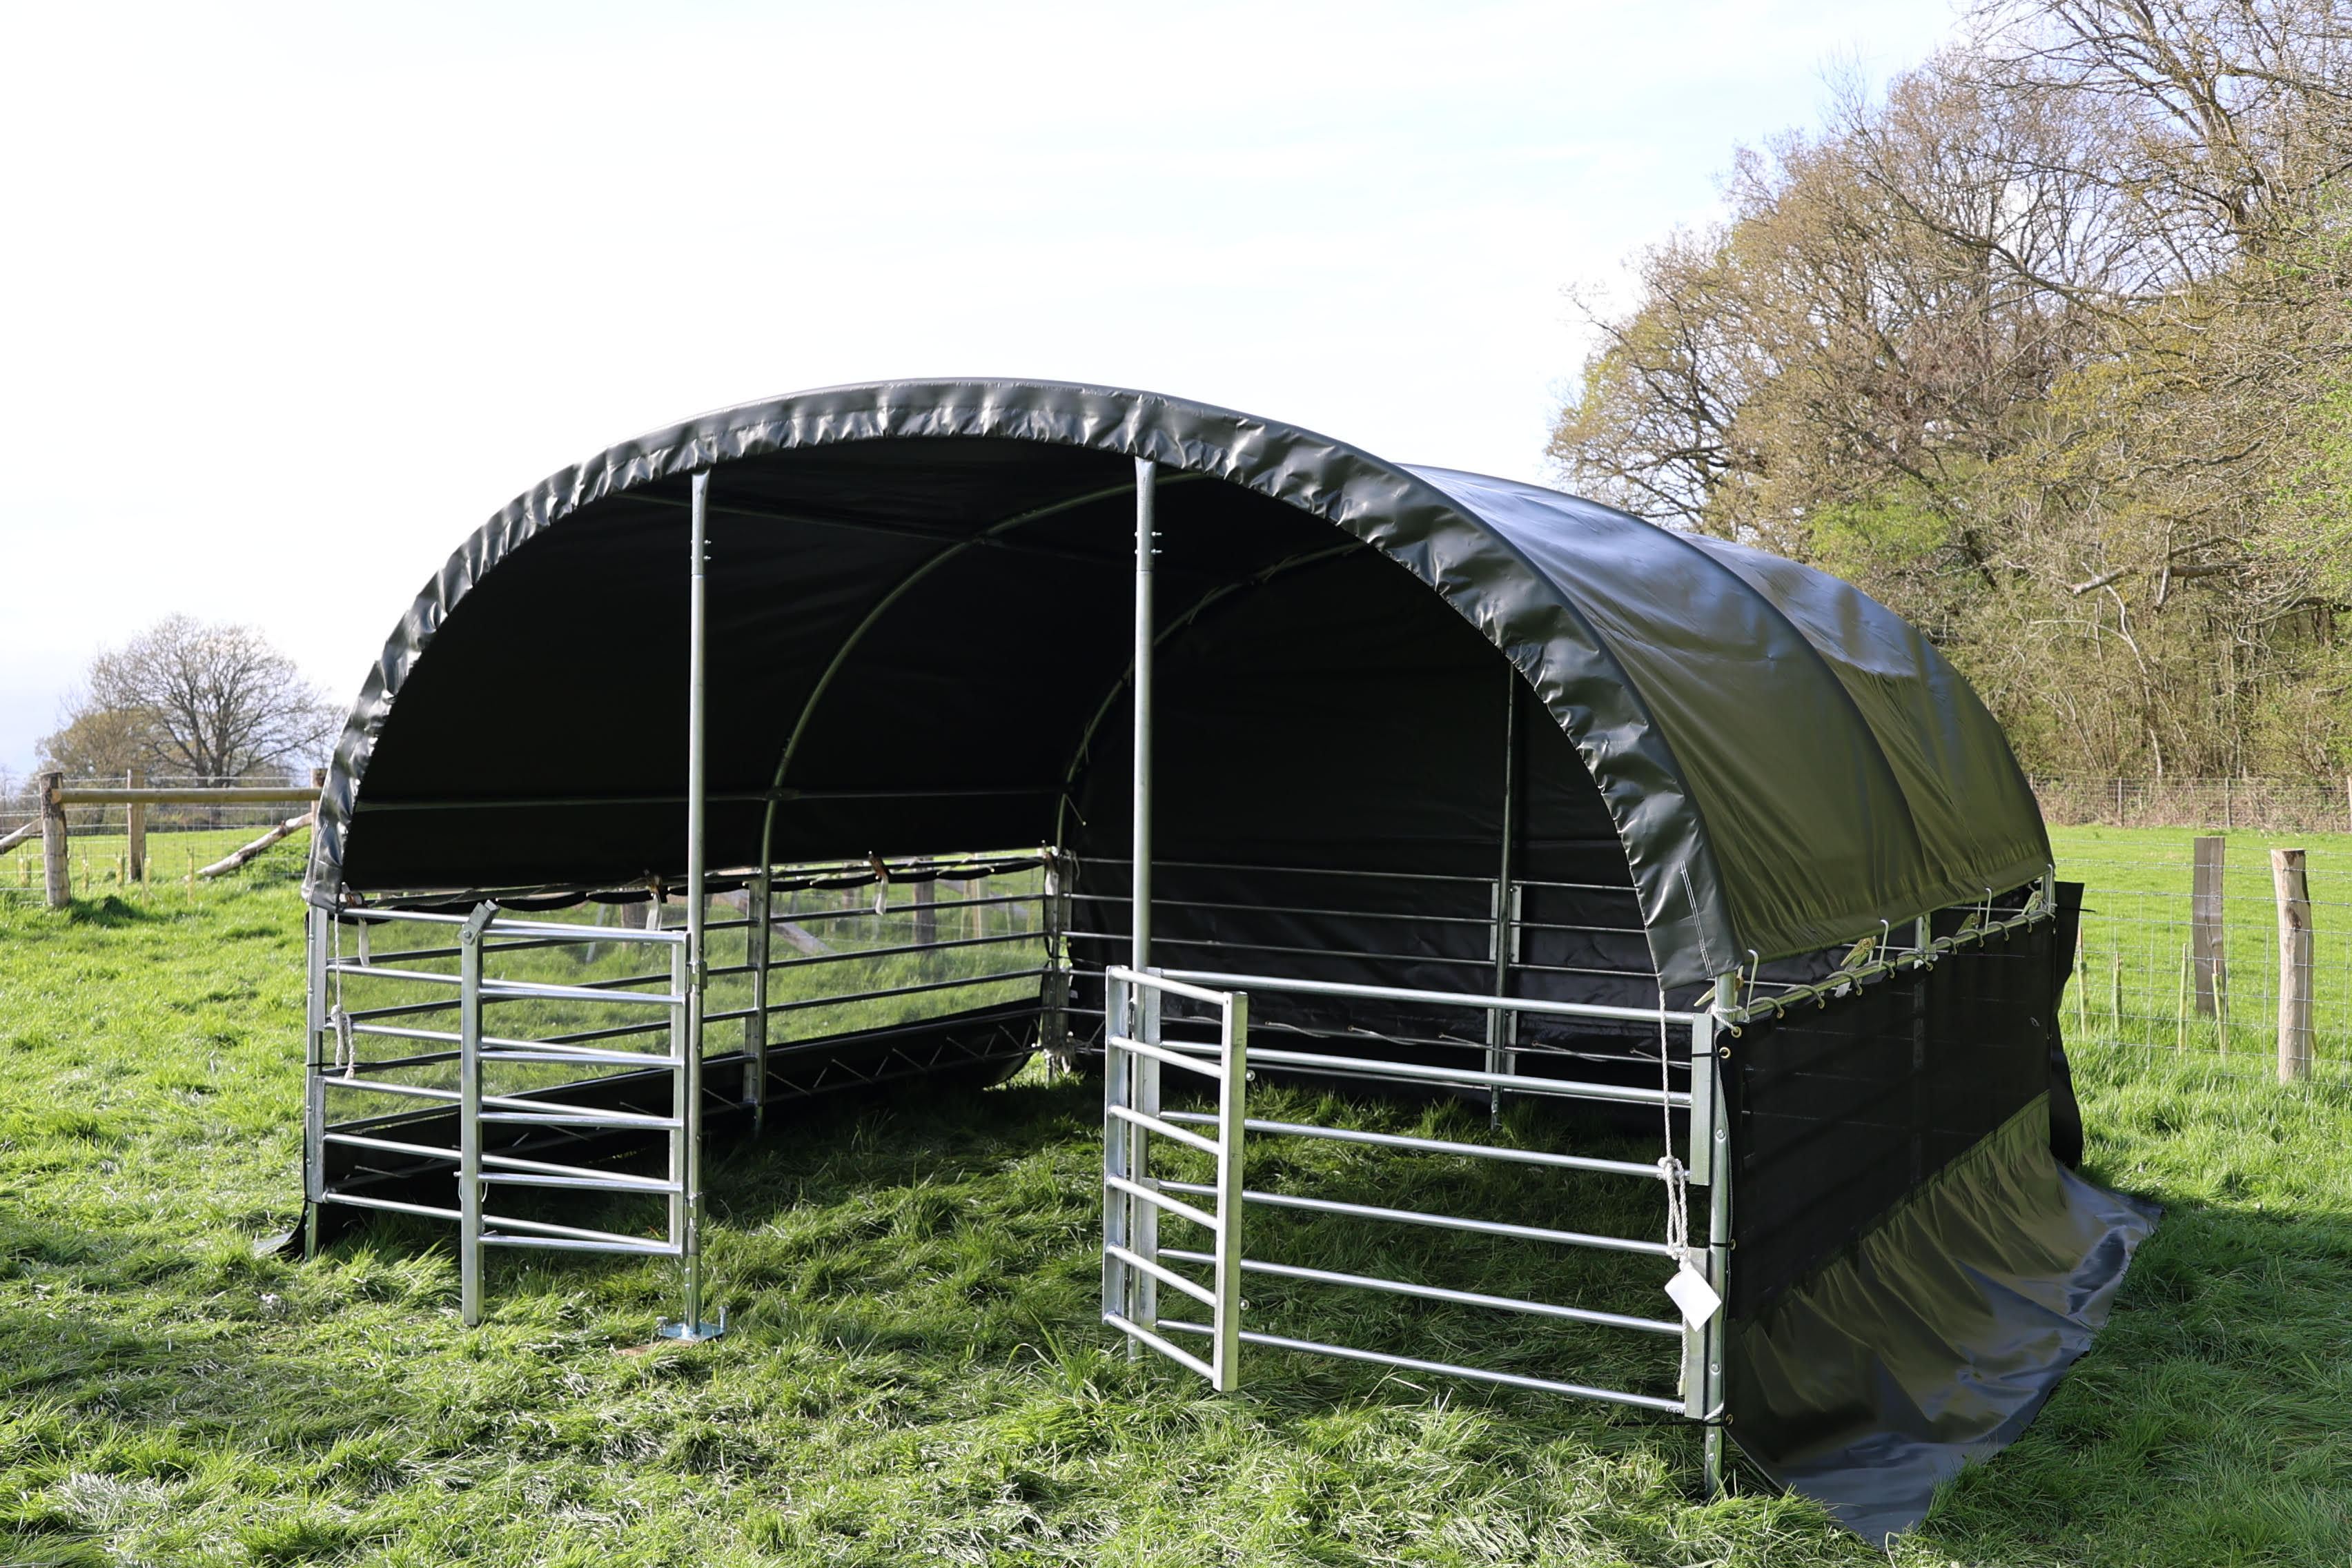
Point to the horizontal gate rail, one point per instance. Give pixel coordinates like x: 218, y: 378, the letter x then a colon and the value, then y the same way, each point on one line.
x: 1437, y: 1221
x: 1443, y: 1369
x: 1439, y: 998
x: 1434, y: 1293
x: 1435, y: 1146
x: 1372, y: 1067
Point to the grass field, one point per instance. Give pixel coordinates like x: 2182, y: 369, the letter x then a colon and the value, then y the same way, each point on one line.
x: 915, y: 1373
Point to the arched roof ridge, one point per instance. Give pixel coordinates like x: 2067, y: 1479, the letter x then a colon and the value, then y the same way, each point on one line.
x: 1517, y: 587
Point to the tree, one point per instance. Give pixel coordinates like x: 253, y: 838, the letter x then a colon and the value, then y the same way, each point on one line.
x: 2049, y: 347
x: 215, y: 702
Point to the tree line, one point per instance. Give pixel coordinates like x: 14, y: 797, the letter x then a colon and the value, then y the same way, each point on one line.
x: 2044, y: 345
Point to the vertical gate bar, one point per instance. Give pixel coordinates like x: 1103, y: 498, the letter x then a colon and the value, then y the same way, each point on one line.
x: 314, y: 1078
x: 1143, y: 1081
x: 679, y: 1225
x: 1232, y: 1112
x: 757, y: 937
x: 1117, y: 1061
x: 767, y: 938
x: 1500, y: 1025
x: 469, y: 1113
x: 689, y: 1113
x: 1140, y: 889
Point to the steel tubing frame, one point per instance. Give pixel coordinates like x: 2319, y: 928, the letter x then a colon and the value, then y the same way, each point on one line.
x: 1135, y: 1265
x: 1133, y: 1200
x: 1135, y: 1049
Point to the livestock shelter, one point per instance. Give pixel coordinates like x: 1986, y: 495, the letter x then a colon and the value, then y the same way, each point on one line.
x: 882, y: 736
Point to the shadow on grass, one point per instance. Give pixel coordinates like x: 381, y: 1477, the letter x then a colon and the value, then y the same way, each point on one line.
x: 112, y: 912
x: 2211, y: 1421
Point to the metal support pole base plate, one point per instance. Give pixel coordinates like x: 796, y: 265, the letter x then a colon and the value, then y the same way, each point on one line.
x: 690, y: 1333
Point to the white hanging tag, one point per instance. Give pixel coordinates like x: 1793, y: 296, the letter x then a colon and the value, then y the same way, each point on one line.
x: 1693, y: 1295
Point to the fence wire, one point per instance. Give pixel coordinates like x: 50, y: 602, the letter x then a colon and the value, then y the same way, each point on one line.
x: 179, y: 838
x: 2145, y: 976
x: 2220, y: 805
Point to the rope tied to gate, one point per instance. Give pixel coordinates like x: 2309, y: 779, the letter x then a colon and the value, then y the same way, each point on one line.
x: 1677, y: 1178
x: 1678, y: 1208
x: 1689, y: 1287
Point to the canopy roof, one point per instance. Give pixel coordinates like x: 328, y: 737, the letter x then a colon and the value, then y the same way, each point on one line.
x: 919, y: 594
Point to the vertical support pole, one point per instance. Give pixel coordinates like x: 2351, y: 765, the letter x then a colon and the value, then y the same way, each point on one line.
x: 1708, y: 1060
x: 58, y: 874
x: 1146, y: 546
x: 135, y: 827
x: 2208, y: 960
x: 1054, y: 1019
x: 469, y: 1113
x: 1923, y: 1099
x: 1501, y: 1026
x: 687, y: 1162
x: 316, y: 936
x: 2294, y: 892
x: 1699, y: 1166
x: 1233, y: 1111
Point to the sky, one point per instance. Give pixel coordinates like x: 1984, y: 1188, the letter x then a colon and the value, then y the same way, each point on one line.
x: 293, y: 297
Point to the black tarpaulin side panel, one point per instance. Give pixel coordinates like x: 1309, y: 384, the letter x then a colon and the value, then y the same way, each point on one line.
x: 1936, y: 1338
x: 1840, y: 1110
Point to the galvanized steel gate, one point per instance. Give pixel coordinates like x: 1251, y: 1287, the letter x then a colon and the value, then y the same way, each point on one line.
x: 1136, y: 1263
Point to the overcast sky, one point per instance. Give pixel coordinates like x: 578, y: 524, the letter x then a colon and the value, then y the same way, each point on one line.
x: 293, y: 297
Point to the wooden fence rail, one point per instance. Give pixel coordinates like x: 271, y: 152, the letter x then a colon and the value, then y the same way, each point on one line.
x: 56, y: 795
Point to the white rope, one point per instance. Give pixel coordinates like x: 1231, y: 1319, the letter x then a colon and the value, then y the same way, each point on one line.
x: 1689, y: 1287
x: 1677, y: 1178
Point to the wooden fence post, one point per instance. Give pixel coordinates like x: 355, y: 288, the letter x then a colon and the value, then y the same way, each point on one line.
x: 2208, y: 924
x: 137, y: 825
x: 2294, y: 892
x: 927, y: 918
x: 53, y: 842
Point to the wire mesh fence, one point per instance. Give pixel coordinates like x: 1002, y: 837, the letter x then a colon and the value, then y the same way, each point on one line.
x: 2189, y: 960
x: 2225, y: 805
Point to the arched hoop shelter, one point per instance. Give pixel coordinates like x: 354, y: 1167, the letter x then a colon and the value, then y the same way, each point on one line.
x: 1406, y: 756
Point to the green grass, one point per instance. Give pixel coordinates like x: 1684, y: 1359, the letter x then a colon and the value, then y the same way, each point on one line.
x: 95, y: 861
x: 915, y: 1373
